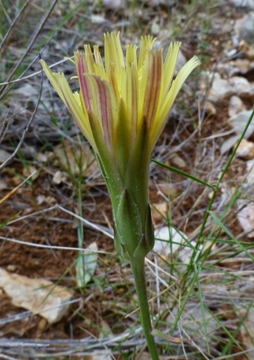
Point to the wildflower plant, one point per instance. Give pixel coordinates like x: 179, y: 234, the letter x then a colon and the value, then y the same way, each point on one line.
x: 122, y: 107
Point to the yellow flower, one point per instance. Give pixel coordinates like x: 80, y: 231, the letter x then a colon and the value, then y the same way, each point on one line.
x: 122, y: 107
x: 122, y: 93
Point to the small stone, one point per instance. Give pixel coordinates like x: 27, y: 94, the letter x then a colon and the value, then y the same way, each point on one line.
x: 4, y: 155
x: 242, y: 65
x: 42, y: 157
x: 247, y: 49
x: 155, y: 28
x: 235, y: 105
x: 3, y: 185
x: 114, y: 4
x: 58, y: 177
x: 245, y: 217
x: 249, y: 4
x: 178, y: 161
x: 36, y: 295
x: 40, y: 199
x: 224, y: 88
x: 168, y: 240
x: 97, y: 19
x: 250, y: 172
x: 220, y: 90
x: 11, y: 268
x: 239, y: 122
x: 245, y: 27
x: 245, y: 149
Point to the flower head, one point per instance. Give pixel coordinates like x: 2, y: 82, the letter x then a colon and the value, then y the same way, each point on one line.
x: 122, y: 93
x: 122, y: 107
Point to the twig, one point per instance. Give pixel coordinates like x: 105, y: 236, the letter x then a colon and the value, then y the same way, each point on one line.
x: 29, y: 47
x: 26, y: 129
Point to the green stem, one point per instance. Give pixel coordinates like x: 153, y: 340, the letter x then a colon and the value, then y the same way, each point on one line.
x: 138, y: 268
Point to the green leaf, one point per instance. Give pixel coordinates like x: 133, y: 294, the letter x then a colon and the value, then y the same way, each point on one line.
x: 183, y: 173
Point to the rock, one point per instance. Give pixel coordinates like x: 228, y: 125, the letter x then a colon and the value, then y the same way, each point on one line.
x: 245, y: 149
x: 238, y: 123
x: 241, y: 86
x: 242, y: 65
x: 41, y: 157
x: 37, y: 295
x: 97, y: 19
x: 154, y: 3
x: 178, y: 161
x: 245, y: 217
x: 249, y: 4
x: 3, y: 185
x: 40, y: 199
x: 220, y: 90
x: 114, y: 4
x: 168, y: 240
x: 11, y: 268
x: 155, y: 28
x: 247, y: 49
x: 249, y: 179
x: 245, y: 27
x: 4, y: 155
x: 58, y: 177
x: 223, y: 88
x: 235, y: 106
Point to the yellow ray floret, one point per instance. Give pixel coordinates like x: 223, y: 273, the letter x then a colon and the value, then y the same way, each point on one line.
x: 133, y: 91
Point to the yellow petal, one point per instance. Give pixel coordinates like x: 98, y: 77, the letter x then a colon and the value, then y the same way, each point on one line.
x: 145, y: 47
x: 151, y: 81
x: 163, y: 112
x: 114, y: 61
x: 103, y: 105
x: 170, y: 64
x: 113, y: 51
x: 99, y: 68
x: 72, y: 101
x: 81, y: 66
x: 130, y: 98
x: 131, y: 54
x: 53, y: 79
x: 89, y: 59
